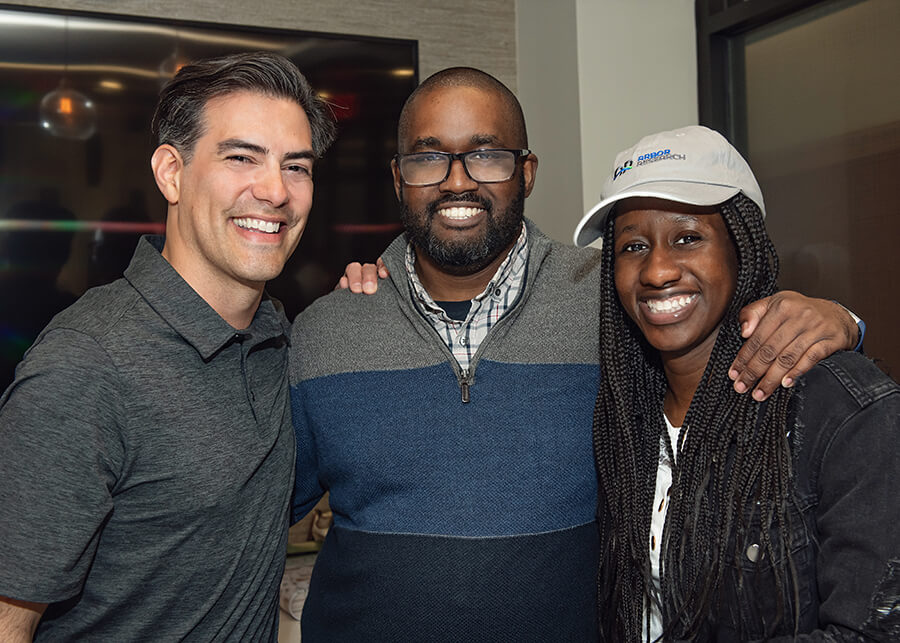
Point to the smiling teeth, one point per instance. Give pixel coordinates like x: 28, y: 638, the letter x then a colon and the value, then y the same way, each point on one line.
x: 258, y: 224
x: 459, y: 214
x: 672, y: 305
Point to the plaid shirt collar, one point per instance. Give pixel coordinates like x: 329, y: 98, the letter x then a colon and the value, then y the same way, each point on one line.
x: 463, y: 338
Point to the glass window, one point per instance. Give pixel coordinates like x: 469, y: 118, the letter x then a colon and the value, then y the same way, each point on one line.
x: 812, y: 95
x: 76, y: 190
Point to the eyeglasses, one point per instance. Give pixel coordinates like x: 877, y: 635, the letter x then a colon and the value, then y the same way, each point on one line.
x: 483, y: 166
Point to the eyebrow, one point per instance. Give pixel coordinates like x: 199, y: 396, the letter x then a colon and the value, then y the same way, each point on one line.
x: 293, y: 156
x: 426, y: 141
x: 434, y: 142
x: 688, y: 218
x: 483, y: 139
x: 239, y: 144
x: 628, y: 228
x: 682, y: 219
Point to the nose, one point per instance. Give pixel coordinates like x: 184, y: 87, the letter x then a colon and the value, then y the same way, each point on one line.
x: 269, y: 186
x: 458, y: 180
x: 660, y: 268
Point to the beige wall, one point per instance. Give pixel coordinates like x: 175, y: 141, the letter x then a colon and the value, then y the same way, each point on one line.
x: 479, y: 33
x: 548, y: 91
x: 637, y: 62
x: 594, y: 76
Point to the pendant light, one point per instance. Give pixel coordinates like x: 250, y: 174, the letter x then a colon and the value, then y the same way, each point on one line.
x: 66, y: 112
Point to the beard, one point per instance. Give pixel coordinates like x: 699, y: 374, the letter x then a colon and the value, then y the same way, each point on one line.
x: 468, y: 256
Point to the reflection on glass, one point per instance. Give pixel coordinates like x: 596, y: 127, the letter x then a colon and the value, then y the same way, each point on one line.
x: 823, y: 123
x: 68, y: 113
x: 83, y: 187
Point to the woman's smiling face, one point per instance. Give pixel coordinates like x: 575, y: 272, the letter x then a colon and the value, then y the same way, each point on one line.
x: 675, y: 272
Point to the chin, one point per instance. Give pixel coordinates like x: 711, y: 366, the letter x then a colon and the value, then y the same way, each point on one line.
x: 668, y: 343
x: 261, y: 274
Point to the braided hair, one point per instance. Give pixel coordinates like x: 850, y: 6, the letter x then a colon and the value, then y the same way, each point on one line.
x: 733, y: 461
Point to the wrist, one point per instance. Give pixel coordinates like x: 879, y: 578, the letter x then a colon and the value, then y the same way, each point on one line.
x: 856, y: 339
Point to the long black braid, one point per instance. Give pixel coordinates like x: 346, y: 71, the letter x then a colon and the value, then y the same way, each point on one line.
x: 733, y: 460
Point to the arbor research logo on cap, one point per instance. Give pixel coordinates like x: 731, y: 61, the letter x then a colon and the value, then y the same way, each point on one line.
x: 708, y: 171
x: 650, y: 157
x: 622, y: 169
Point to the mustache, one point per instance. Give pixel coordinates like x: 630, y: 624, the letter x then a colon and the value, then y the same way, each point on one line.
x: 460, y: 199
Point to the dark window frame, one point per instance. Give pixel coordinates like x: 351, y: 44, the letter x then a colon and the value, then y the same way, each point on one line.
x: 720, y: 77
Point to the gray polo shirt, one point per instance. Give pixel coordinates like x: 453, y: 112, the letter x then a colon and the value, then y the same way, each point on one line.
x: 147, y: 462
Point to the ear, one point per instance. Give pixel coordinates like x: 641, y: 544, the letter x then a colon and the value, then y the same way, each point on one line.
x: 167, y: 165
x: 398, y: 182
x: 529, y: 169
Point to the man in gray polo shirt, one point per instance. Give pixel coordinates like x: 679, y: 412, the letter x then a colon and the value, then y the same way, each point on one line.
x: 147, y: 449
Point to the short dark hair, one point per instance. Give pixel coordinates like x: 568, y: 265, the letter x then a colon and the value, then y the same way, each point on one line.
x: 465, y: 77
x: 178, y: 118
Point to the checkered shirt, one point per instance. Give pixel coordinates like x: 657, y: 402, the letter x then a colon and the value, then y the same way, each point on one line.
x: 463, y: 338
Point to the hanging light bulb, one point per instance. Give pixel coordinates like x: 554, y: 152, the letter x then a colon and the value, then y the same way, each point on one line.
x: 66, y: 112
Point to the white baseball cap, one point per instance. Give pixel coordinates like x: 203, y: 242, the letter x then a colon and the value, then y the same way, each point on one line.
x: 693, y: 165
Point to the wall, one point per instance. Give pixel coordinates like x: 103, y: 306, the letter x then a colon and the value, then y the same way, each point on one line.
x: 637, y: 64
x: 549, y: 93
x: 635, y: 69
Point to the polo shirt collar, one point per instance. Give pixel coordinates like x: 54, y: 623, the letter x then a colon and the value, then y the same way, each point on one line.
x: 187, y: 312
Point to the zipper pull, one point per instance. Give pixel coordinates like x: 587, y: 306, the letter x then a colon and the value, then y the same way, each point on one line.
x: 464, y: 386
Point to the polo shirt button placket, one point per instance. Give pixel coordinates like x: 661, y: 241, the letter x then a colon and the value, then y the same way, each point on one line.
x: 240, y: 338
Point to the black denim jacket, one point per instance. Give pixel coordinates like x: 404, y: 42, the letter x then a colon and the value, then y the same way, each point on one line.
x: 845, y: 438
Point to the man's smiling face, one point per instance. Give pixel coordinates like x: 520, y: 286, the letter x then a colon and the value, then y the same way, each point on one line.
x: 244, y: 196
x: 463, y: 225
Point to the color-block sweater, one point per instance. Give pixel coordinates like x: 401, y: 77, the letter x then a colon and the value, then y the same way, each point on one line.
x: 454, y: 520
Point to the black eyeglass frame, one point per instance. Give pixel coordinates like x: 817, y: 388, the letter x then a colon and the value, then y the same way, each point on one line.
x: 461, y: 157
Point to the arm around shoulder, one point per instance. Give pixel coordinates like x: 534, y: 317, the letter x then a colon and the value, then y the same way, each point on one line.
x: 787, y: 334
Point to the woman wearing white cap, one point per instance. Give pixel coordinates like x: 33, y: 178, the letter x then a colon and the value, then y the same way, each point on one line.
x: 723, y: 518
